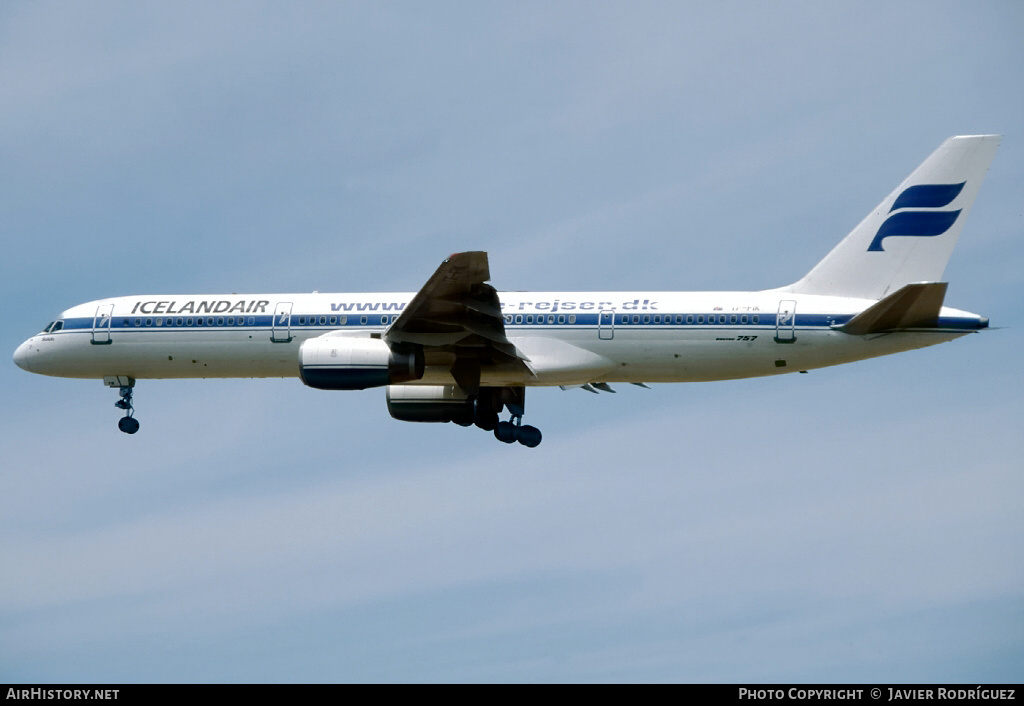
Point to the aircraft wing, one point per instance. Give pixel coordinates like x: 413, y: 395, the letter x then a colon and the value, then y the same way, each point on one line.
x: 457, y: 312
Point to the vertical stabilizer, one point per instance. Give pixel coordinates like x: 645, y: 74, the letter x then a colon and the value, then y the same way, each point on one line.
x: 909, y: 237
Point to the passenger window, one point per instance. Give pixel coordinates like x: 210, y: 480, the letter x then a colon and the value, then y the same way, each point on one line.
x: 149, y: 322
x: 572, y: 318
x: 252, y: 320
x: 159, y: 322
x: 756, y: 319
x: 700, y: 318
x: 138, y: 322
x: 743, y: 319
x: 551, y: 318
x: 231, y: 321
x: 302, y: 321
x: 334, y: 320
x: 383, y: 319
x: 561, y: 318
x: 721, y: 318
x: 636, y: 318
x: 519, y: 318
x: 342, y: 320
x: 362, y: 319
x: 199, y: 321
x: 209, y: 321
x: 190, y: 321
x: 529, y: 318
x: 689, y: 318
x: 732, y: 319
x: 323, y: 320
x: 220, y: 320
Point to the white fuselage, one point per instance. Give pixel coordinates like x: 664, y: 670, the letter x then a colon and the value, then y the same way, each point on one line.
x: 568, y: 338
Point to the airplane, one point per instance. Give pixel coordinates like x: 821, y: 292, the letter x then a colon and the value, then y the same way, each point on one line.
x: 460, y: 351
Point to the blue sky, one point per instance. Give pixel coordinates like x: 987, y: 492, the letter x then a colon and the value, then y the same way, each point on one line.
x: 859, y: 523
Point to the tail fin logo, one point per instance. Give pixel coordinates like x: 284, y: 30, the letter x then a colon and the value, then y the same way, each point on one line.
x: 919, y: 223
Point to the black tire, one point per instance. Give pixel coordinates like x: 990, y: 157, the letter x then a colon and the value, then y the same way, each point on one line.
x: 529, y: 436
x: 505, y: 432
x: 488, y: 421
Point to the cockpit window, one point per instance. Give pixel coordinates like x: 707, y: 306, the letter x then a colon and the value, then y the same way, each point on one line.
x: 46, y: 329
x: 57, y: 325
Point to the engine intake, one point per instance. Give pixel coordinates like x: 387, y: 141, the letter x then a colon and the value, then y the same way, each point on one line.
x: 349, y: 363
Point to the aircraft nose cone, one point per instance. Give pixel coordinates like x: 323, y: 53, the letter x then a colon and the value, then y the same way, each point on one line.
x: 21, y: 355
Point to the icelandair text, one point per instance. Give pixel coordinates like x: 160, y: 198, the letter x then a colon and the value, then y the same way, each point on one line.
x: 204, y: 306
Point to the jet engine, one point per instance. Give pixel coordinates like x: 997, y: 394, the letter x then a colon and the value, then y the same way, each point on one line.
x: 350, y: 363
x: 430, y: 403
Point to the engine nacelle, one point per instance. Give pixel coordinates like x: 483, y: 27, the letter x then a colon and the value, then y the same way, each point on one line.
x: 350, y: 363
x: 430, y: 403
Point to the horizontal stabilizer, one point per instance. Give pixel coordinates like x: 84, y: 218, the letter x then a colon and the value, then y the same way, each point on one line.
x: 913, y: 306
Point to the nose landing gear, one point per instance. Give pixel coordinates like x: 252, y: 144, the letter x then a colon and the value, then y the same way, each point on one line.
x: 128, y: 423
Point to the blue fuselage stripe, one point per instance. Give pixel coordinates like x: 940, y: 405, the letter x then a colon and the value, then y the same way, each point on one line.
x: 582, y: 321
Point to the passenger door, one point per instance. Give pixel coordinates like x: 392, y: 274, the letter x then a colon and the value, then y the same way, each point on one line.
x: 101, y: 324
x: 281, y: 328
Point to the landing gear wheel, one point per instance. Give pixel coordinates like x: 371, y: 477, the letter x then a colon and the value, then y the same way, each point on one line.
x: 489, y: 406
x: 510, y: 432
x: 529, y: 437
x: 506, y: 432
x: 129, y: 425
x: 488, y: 421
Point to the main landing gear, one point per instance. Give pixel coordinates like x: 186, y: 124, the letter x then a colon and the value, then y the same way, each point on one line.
x: 489, y: 403
x: 128, y: 423
x: 514, y: 400
x: 515, y: 430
